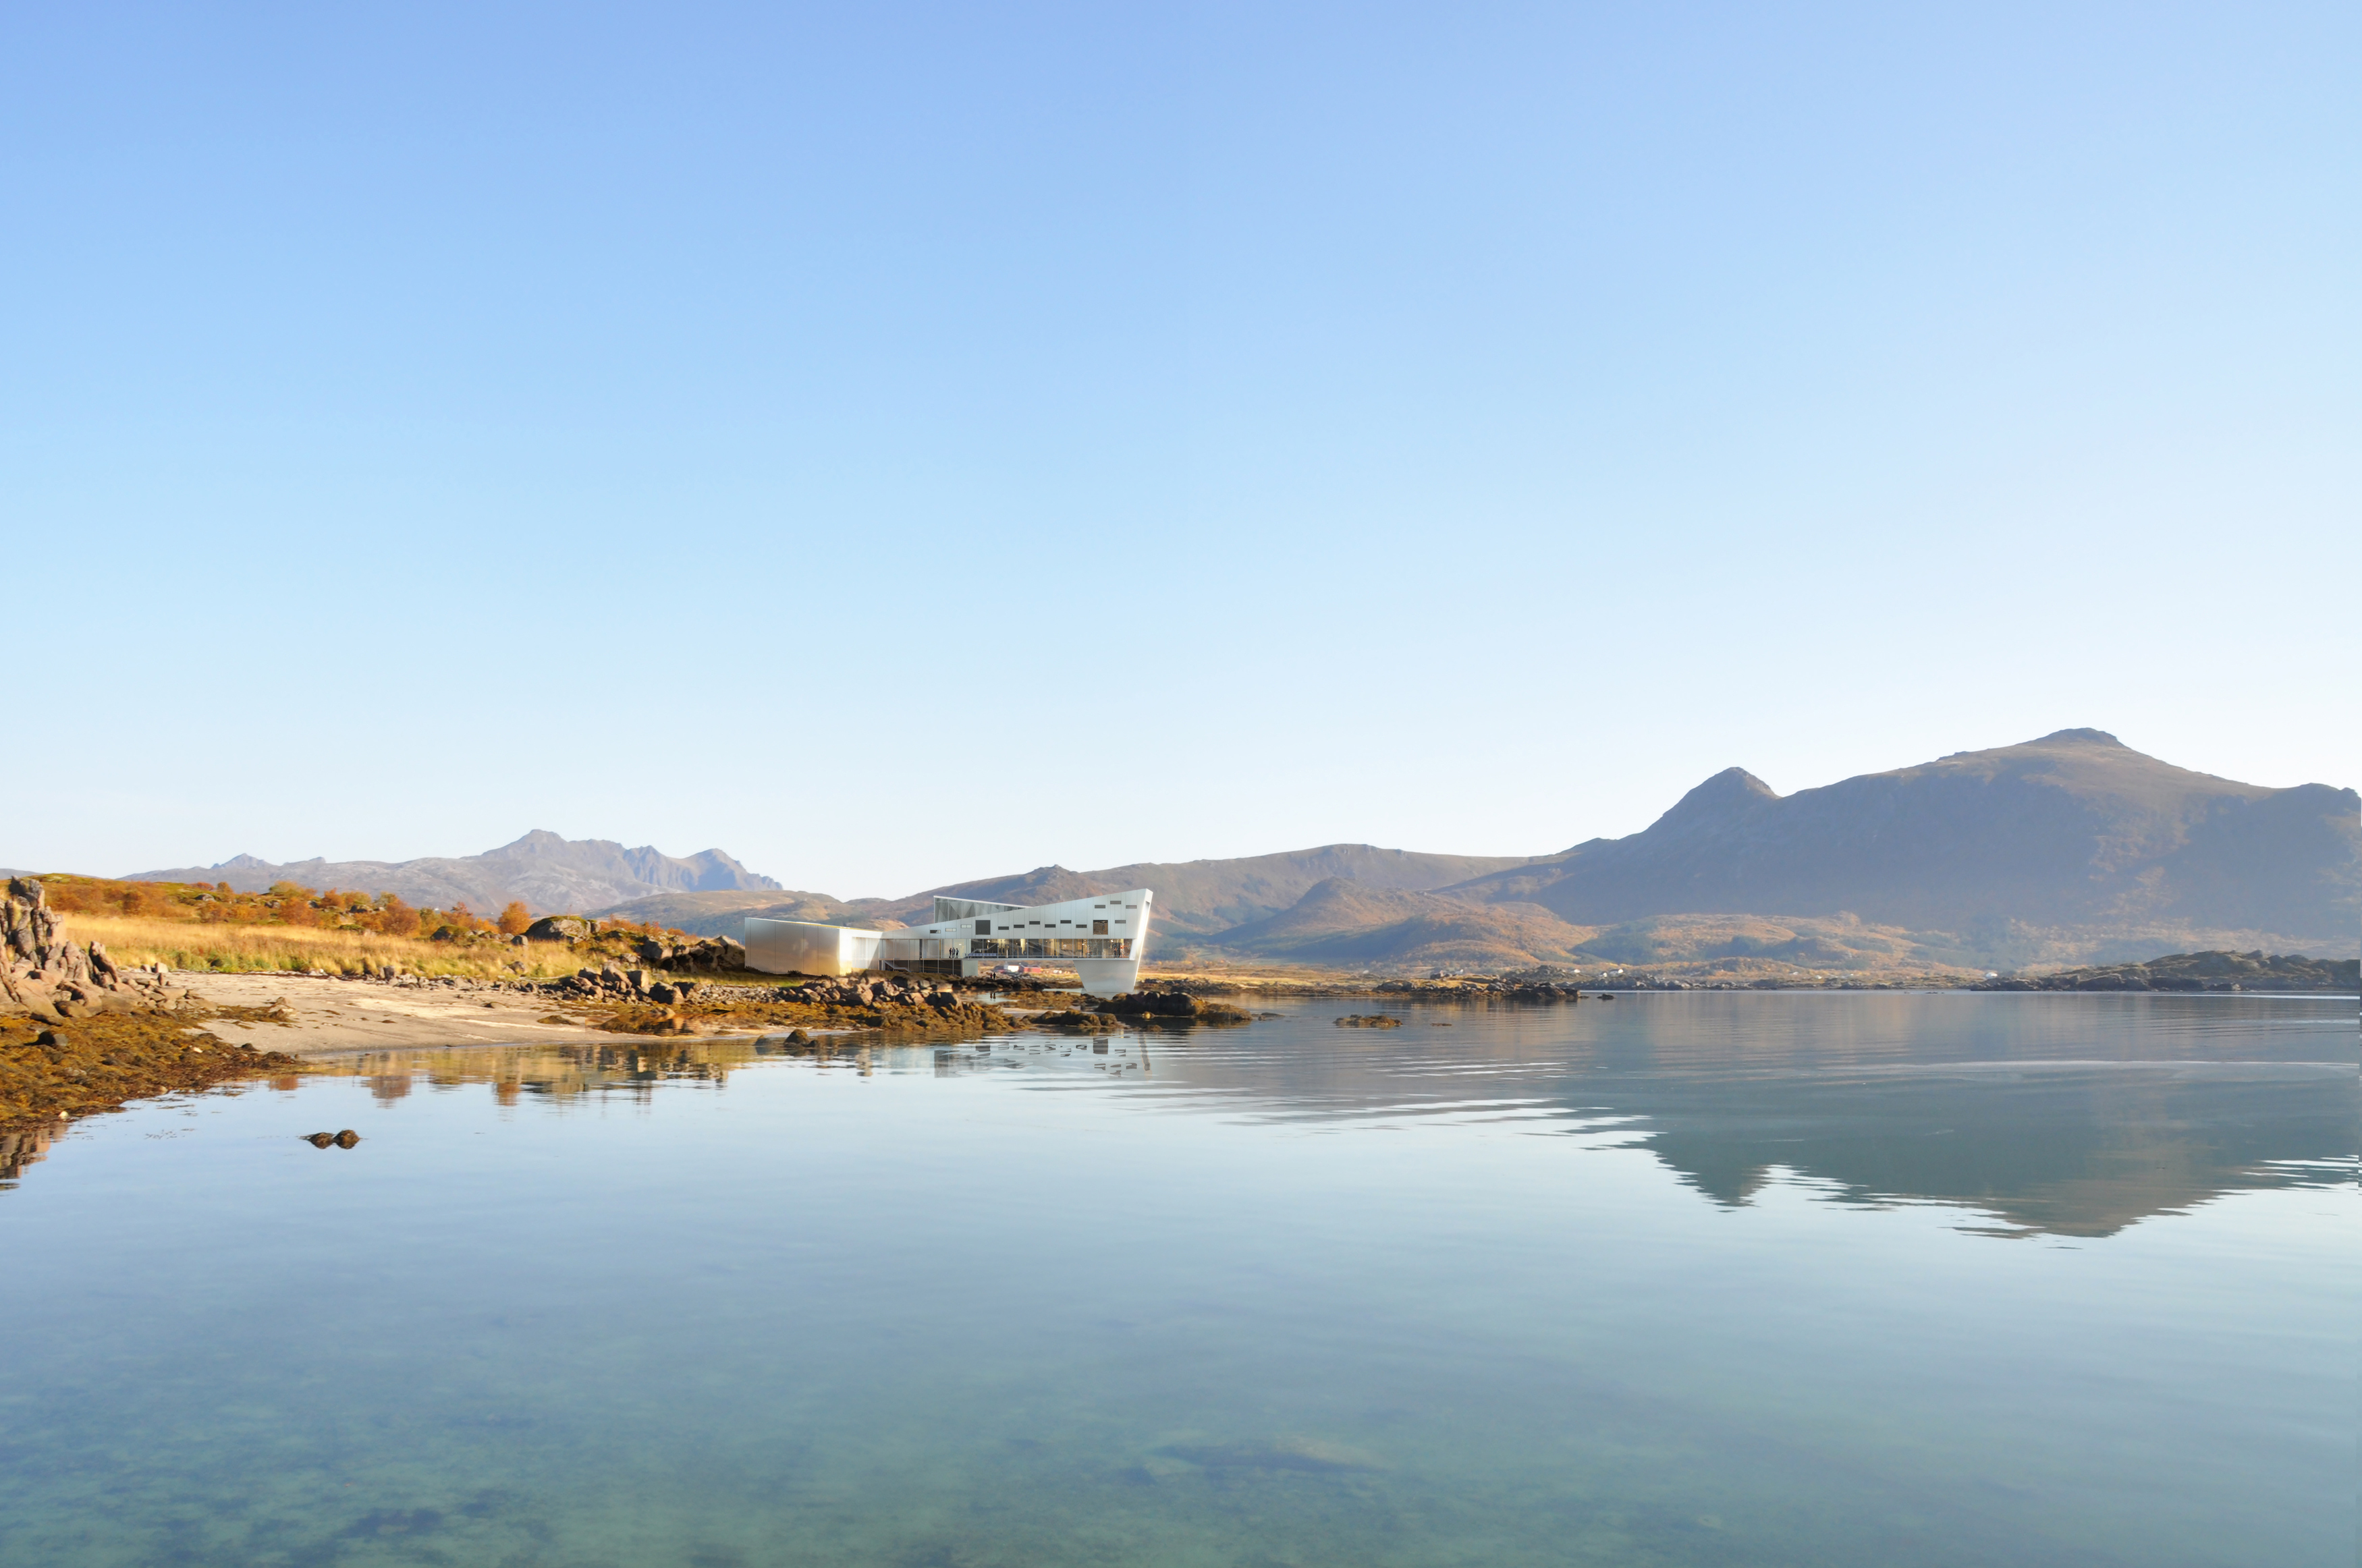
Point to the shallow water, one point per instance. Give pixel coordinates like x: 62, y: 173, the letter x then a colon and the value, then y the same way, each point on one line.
x: 1677, y: 1279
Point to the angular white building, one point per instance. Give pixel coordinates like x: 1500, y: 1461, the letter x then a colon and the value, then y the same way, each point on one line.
x: 1101, y: 938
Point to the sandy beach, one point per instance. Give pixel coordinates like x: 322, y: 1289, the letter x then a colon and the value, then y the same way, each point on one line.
x: 330, y: 1016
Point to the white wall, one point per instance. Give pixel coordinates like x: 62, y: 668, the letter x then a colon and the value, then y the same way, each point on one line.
x: 802, y: 947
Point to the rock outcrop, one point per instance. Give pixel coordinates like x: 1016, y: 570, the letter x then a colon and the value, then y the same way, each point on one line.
x: 43, y: 973
x: 1170, y: 1006
x: 611, y: 982
x: 1484, y: 988
x: 711, y: 952
x: 2196, y: 972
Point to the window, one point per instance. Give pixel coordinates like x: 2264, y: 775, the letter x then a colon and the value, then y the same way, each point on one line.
x: 983, y: 928
x: 1098, y: 927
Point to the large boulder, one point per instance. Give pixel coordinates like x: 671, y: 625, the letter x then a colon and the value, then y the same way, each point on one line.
x: 559, y: 928
x: 707, y: 953
x: 1153, y: 1004
x: 43, y: 973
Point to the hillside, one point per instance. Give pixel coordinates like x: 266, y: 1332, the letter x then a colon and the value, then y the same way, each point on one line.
x: 2072, y: 837
x: 1194, y: 897
x: 724, y: 912
x: 2073, y: 848
x: 1201, y: 897
x: 1341, y: 921
x: 548, y: 874
x: 2256, y: 971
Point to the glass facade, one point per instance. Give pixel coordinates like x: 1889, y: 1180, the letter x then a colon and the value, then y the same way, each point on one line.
x: 1050, y: 948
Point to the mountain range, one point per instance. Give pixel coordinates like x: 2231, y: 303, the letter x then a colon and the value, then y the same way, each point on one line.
x: 2072, y: 848
x: 548, y: 872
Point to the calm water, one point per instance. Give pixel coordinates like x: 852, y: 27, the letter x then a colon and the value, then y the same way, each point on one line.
x: 1679, y: 1279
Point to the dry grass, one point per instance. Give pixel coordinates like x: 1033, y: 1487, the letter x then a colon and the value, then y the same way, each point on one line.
x: 188, y: 945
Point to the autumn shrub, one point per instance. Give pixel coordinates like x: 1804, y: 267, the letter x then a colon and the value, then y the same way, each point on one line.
x: 515, y: 919
x: 68, y: 898
x: 392, y: 917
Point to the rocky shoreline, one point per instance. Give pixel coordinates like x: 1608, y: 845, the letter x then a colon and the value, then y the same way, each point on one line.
x: 79, y: 1035
x: 2199, y: 972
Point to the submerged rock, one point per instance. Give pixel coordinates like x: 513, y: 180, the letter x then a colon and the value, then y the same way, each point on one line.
x: 1072, y: 1018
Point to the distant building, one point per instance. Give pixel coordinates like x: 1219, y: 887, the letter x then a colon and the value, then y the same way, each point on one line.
x: 1101, y: 938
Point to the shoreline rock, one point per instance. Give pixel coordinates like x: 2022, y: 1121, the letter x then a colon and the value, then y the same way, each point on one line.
x: 44, y: 973
x: 2211, y: 971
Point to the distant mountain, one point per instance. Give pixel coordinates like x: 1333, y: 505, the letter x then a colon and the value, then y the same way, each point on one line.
x: 2073, y: 848
x: 1194, y: 897
x: 550, y: 874
x: 2256, y: 971
x: 1201, y: 897
x: 1342, y: 923
x: 724, y: 913
x: 2075, y: 830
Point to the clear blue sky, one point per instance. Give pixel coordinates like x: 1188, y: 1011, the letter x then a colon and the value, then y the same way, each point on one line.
x: 1456, y: 427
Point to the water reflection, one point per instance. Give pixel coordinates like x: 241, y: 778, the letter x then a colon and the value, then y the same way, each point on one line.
x: 2075, y: 1120
x: 25, y: 1146
x: 2071, y: 1116
x: 632, y: 1067
x: 1675, y: 1281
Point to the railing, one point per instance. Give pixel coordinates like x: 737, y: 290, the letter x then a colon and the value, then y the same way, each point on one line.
x: 1050, y: 948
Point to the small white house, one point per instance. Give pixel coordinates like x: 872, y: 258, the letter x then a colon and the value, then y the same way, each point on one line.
x: 1101, y: 938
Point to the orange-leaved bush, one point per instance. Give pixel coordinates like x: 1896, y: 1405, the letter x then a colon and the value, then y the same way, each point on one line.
x: 393, y: 917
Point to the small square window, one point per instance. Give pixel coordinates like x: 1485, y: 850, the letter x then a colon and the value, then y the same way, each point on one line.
x: 1098, y: 927
x: 983, y: 928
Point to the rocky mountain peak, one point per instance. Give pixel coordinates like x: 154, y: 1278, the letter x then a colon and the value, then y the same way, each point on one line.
x: 1729, y: 796
x: 545, y: 871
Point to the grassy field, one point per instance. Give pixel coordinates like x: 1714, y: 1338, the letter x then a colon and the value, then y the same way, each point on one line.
x: 188, y: 945
x: 193, y: 925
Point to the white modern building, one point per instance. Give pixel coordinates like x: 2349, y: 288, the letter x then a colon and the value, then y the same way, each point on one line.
x: 1101, y: 938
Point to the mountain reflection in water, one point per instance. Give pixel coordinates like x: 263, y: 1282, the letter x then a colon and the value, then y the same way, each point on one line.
x: 1689, y: 1280
x: 2069, y: 1115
